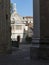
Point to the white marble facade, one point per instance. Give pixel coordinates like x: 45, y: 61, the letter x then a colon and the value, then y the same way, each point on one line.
x: 17, y: 25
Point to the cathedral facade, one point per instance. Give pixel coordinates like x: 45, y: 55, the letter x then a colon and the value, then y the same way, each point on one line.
x: 20, y: 25
x: 17, y: 25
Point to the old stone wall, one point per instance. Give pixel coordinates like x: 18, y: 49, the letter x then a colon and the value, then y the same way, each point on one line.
x: 5, y: 33
x: 44, y: 29
x: 44, y: 20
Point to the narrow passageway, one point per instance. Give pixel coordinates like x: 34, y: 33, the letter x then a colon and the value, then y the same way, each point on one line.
x: 23, y: 50
x: 21, y: 56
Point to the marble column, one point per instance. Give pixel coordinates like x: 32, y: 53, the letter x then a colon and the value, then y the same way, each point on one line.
x: 36, y: 21
x: 41, y: 26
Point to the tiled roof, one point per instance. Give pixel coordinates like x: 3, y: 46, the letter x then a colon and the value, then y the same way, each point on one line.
x: 17, y: 18
x: 28, y: 17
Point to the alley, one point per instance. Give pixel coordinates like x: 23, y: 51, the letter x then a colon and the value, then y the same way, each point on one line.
x: 21, y: 56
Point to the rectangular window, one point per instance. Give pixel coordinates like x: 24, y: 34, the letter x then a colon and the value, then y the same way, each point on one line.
x: 18, y: 27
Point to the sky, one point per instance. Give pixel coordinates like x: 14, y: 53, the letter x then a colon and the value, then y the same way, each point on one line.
x: 24, y: 7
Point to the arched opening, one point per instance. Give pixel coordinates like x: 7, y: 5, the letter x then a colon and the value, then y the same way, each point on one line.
x: 25, y: 21
x: 24, y: 26
x: 18, y: 38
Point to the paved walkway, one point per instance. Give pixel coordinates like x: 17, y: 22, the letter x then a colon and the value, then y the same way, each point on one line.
x: 21, y: 56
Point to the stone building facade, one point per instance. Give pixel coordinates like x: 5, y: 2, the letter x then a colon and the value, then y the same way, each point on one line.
x: 5, y: 33
x: 17, y: 25
x: 44, y: 18
x: 25, y: 25
x: 41, y: 29
x: 28, y: 20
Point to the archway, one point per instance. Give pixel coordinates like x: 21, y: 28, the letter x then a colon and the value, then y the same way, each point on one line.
x: 41, y: 34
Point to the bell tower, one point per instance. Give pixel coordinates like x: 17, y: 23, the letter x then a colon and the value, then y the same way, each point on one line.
x: 14, y: 8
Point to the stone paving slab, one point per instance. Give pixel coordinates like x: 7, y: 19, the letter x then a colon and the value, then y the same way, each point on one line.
x: 21, y: 56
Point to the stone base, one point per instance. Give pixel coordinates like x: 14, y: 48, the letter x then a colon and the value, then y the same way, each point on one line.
x: 34, y: 52
x: 44, y: 53
x: 44, y: 50
x: 40, y: 52
x: 4, y: 49
x: 5, y: 52
x: 35, y: 40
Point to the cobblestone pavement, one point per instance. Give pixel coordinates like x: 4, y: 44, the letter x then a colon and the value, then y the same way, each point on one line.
x: 21, y: 56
